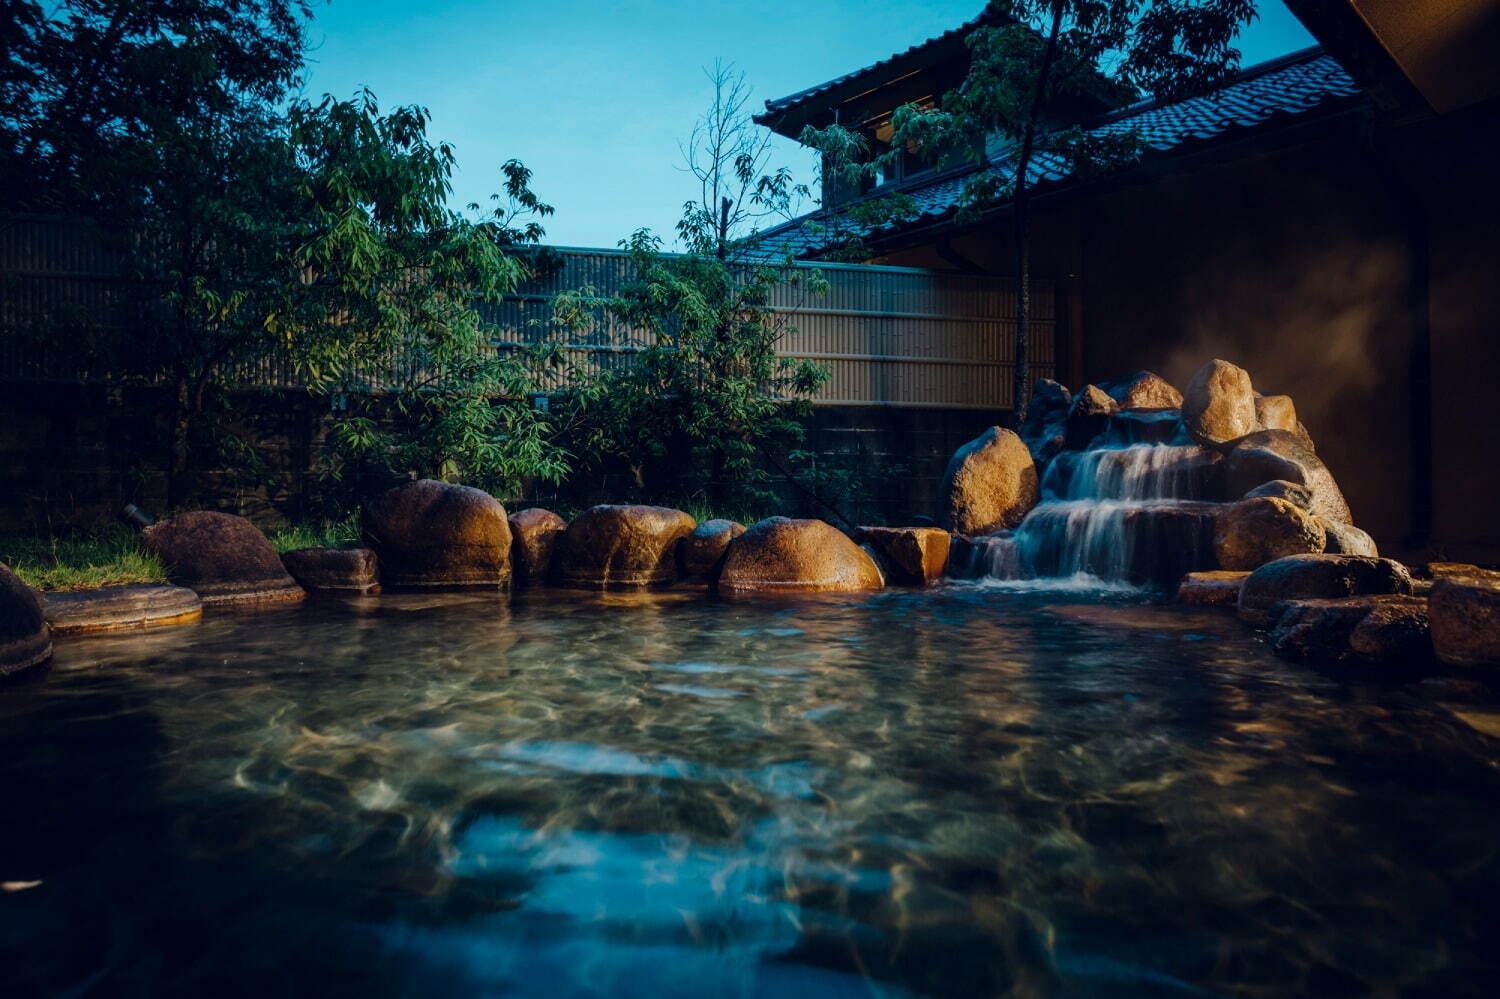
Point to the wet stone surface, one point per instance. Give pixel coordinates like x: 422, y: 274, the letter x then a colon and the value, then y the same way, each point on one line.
x: 971, y: 790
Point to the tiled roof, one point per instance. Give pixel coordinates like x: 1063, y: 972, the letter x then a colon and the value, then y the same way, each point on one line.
x: 780, y: 104
x: 1284, y: 88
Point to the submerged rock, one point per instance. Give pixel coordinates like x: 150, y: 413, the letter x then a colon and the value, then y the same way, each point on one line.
x: 1219, y: 404
x: 1276, y: 412
x: 1145, y: 390
x: 1252, y: 532
x: 1213, y: 588
x: 1386, y: 629
x: 334, y: 570
x: 24, y: 638
x: 437, y: 535
x: 989, y: 485
x: 618, y: 547
x: 912, y: 556
x: 533, y: 538
x: 115, y: 608
x: 1268, y: 455
x: 704, y: 549
x: 1307, y: 577
x: 782, y: 556
x: 223, y: 558
x: 1465, y: 612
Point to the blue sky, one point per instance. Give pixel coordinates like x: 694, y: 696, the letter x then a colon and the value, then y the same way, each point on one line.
x: 595, y: 96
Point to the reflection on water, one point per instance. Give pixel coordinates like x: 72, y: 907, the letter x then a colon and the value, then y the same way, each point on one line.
x: 971, y: 791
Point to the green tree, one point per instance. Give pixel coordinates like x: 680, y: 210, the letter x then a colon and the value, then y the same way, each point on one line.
x: 1027, y: 73
x: 382, y: 305
x: 705, y: 401
x: 308, y: 239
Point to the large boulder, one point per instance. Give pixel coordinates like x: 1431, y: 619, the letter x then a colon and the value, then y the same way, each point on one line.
x: 437, y: 535
x: 1465, y: 614
x: 614, y: 547
x: 702, y: 552
x: 1267, y: 455
x: 1295, y: 493
x: 1145, y: 390
x: 1046, y: 416
x: 24, y: 638
x: 1252, y: 532
x: 1088, y: 417
x: 1219, y: 404
x: 1212, y: 588
x: 533, y: 538
x: 782, y: 556
x: 1387, y: 629
x: 912, y: 556
x: 223, y: 558
x: 115, y: 608
x: 1309, y: 577
x: 334, y: 570
x: 1346, y: 539
x: 1276, y: 412
x: 989, y: 485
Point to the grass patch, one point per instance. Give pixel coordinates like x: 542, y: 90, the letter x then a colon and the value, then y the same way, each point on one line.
x: 329, y: 534
x: 106, y: 557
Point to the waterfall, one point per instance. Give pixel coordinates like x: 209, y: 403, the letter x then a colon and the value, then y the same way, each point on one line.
x: 1137, y: 513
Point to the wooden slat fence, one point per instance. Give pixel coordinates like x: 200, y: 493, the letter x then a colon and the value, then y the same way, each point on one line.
x: 890, y: 336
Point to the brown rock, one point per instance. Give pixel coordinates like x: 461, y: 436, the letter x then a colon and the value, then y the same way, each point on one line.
x: 533, y: 537
x: 1215, y: 588
x: 1088, y: 417
x: 1396, y: 630
x: 989, y: 485
x: 702, y: 552
x: 1146, y: 390
x: 1465, y: 614
x: 1252, y: 532
x: 1267, y: 455
x: 334, y: 570
x: 1451, y: 570
x: 1309, y: 577
x: 437, y: 535
x: 116, y: 608
x: 913, y: 556
x: 781, y: 556
x: 1293, y: 492
x: 1346, y: 539
x: 223, y: 558
x: 1276, y: 412
x: 1385, y: 629
x: 24, y: 638
x: 1219, y: 404
x: 614, y: 547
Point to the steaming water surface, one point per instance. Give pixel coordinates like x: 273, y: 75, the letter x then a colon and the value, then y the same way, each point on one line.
x: 974, y: 791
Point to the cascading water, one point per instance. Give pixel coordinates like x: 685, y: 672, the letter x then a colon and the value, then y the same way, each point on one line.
x: 1120, y: 512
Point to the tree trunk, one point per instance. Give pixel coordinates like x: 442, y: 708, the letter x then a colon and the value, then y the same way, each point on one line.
x: 177, y: 464
x: 1021, y: 377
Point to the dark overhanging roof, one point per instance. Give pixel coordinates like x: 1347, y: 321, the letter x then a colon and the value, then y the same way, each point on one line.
x: 1413, y: 59
x: 1283, y: 91
x: 876, y: 74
